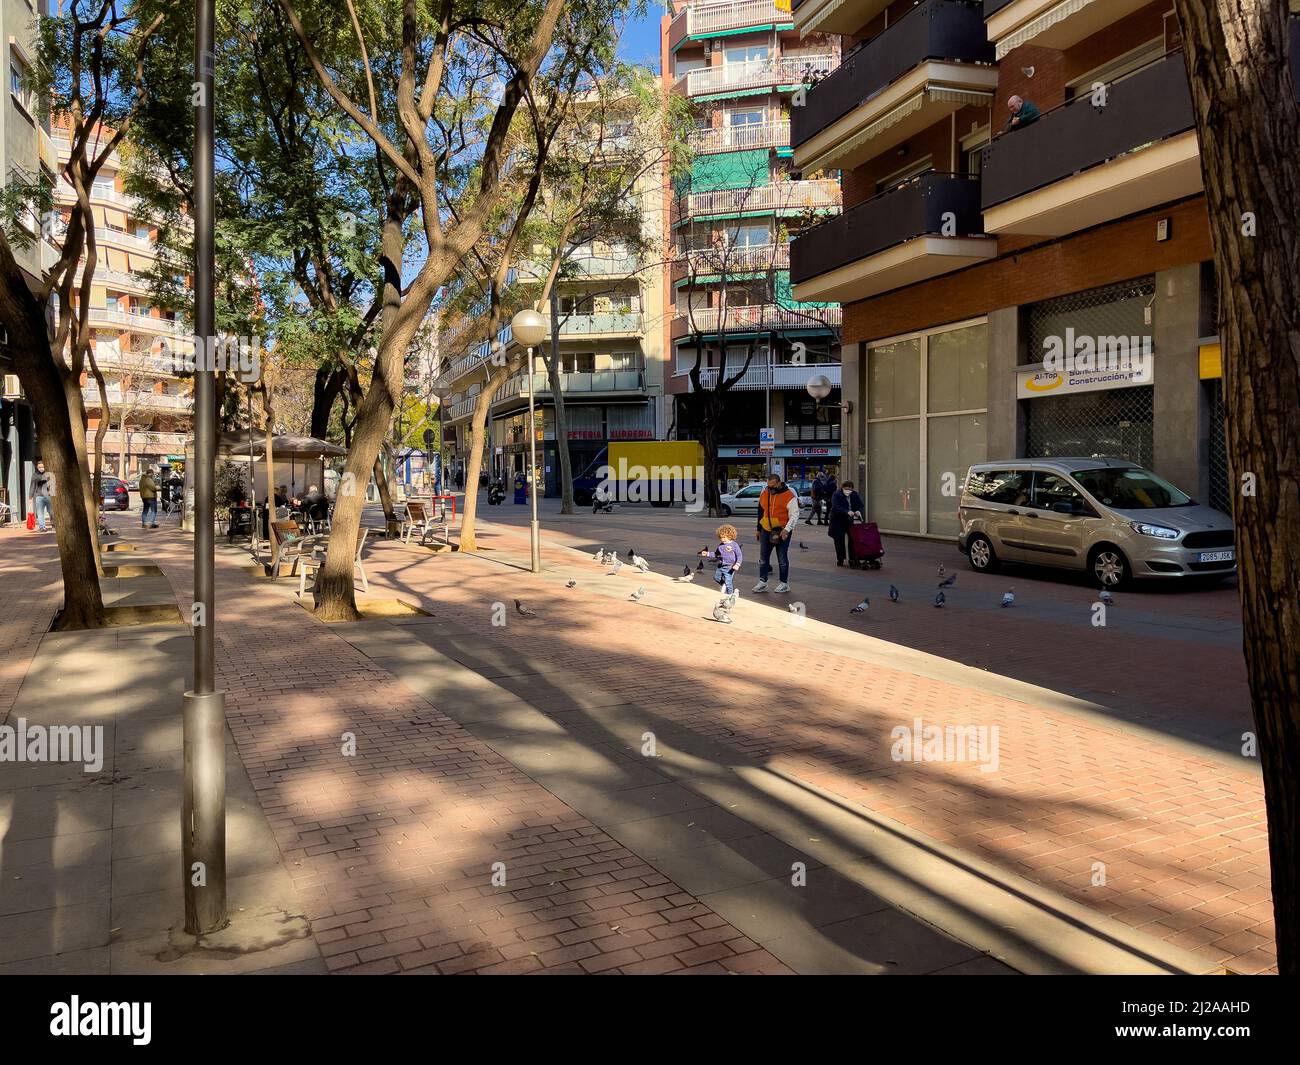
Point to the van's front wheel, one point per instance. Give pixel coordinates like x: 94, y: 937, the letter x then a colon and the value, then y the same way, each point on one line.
x: 1109, y: 567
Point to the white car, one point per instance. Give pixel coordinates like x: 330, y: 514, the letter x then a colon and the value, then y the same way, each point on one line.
x: 745, y: 500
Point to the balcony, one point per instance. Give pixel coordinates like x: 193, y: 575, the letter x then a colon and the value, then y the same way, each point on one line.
x: 141, y: 441
x: 1079, y: 165
x: 764, y: 375
x: 736, y: 138
x: 780, y: 197
x: 144, y: 323
x: 755, y: 317
x: 163, y: 401
x: 828, y: 16
x: 1057, y: 24
x: 928, y: 226
x: 732, y: 78
x: 577, y: 383
x: 706, y: 20
x: 726, y: 261
x: 930, y: 63
x: 605, y: 323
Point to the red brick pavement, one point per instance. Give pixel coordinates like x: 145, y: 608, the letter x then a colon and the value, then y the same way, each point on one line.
x: 391, y: 849
x: 1182, y: 837
x: 31, y: 590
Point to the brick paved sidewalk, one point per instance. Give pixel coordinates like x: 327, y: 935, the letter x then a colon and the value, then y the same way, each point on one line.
x: 32, y: 586
x: 1180, y: 836
x: 392, y: 849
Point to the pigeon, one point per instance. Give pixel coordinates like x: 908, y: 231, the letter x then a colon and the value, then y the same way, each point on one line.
x: 641, y: 564
x: 793, y: 608
x: 720, y: 613
x: 940, y: 599
x: 617, y: 566
x: 893, y: 593
x: 599, y: 556
x: 948, y: 581
x: 571, y: 583
x: 687, y: 575
x: 638, y: 595
x: 631, y: 555
x: 861, y: 608
x: 942, y: 569
x: 803, y: 546
x: 700, y: 567
x: 1106, y: 597
x: 524, y: 612
x: 1009, y: 597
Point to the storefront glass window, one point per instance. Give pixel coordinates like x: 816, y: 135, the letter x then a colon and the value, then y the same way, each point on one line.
x: 893, y: 384
x: 958, y: 369
x: 894, y: 484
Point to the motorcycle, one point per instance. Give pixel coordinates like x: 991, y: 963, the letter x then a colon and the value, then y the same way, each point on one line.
x: 496, y: 493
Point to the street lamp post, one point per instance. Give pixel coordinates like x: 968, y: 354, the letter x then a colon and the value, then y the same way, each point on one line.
x: 203, y: 807
x: 529, y: 328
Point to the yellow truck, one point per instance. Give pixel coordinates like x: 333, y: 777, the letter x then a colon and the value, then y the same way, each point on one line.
x: 658, y: 472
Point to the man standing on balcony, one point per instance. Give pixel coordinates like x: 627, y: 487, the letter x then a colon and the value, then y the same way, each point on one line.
x: 778, y: 514
x: 1023, y: 112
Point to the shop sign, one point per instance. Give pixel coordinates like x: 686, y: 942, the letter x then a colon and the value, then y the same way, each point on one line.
x: 1126, y: 373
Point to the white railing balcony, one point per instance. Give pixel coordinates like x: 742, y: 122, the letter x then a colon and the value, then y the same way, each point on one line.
x: 99, y: 194
x: 771, y: 134
x: 139, y: 400
x: 576, y: 382
x: 761, y: 316
x: 727, y: 261
x: 616, y: 322
x: 136, y: 362
x: 716, y: 17
x: 119, y: 239
x: 759, y: 74
x: 116, y: 279
x: 131, y: 320
x: 761, y: 374
x: 762, y: 199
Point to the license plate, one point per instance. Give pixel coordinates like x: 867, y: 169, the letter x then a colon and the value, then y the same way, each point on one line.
x: 1216, y: 556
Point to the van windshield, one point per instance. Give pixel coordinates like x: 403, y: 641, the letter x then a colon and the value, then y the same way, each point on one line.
x: 1131, y: 489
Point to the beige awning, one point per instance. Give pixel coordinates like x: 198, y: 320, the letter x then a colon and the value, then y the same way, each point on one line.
x: 1045, y: 21
x: 117, y: 260
x: 116, y: 218
x: 821, y: 16
x: 892, y: 117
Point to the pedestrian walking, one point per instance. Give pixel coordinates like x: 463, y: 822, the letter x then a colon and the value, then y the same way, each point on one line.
x: 846, y: 508
x: 460, y: 478
x: 727, y: 559
x: 148, y: 489
x: 39, y: 492
x: 818, y: 493
x: 778, y: 514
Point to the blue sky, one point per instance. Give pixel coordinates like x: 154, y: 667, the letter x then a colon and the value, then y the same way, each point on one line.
x: 640, y: 41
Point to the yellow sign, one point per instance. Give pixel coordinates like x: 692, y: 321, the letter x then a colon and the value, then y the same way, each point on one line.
x: 1211, y: 361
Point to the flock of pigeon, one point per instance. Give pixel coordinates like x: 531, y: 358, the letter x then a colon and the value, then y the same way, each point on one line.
x: 722, y: 609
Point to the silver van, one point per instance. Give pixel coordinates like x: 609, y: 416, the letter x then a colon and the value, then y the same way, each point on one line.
x: 1108, y: 516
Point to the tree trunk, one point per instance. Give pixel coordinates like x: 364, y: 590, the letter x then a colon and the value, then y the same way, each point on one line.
x: 709, y: 443
x: 561, y: 418
x: 383, y: 481
x: 97, y: 472
x: 1249, y: 126
x: 477, y: 441
x: 326, y: 388
x: 88, y: 488
x: 42, y: 378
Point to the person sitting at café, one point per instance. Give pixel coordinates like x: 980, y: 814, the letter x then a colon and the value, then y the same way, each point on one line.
x: 314, y: 505
x: 282, y: 495
x: 1023, y: 112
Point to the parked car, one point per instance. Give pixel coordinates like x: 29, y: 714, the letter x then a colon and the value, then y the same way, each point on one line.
x: 113, y: 494
x: 745, y: 500
x: 1107, y: 516
x: 133, y: 485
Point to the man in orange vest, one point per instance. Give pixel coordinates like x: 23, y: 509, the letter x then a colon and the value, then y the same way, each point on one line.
x: 778, y: 514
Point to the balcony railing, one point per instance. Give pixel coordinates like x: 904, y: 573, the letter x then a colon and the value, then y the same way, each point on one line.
x: 131, y: 320
x: 603, y: 322
x: 914, y: 209
x: 734, y: 77
x: 935, y: 29
x: 737, y: 319
x: 765, y: 375
x: 764, y: 199
x: 98, y: 195
x: 140, y: 400
x: 774, y: 134
x: 700, y: 20
x: 1150, y: 105
x: 737, y: 259
x: 592, y: 381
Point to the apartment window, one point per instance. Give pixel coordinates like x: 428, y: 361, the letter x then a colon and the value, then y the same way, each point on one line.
x: 17, y: 87
x: 747, y: 53
x: 625, y: 360
x: 1116, y: 69
x: 577, y: 362
x: 110, y: 302
x: 749, y: 117
x: 908, y: 172
x: 749, y: 236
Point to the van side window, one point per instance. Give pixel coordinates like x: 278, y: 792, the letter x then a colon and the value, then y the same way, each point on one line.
x: 1000, y: 486
x: 1051, y: 488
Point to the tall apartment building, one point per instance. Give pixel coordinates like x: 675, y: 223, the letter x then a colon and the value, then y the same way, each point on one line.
x: 149, y: 405
x: 742, y: 66
x: 969, y: 244
x: 26, y: 155
x: 611, y: 329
